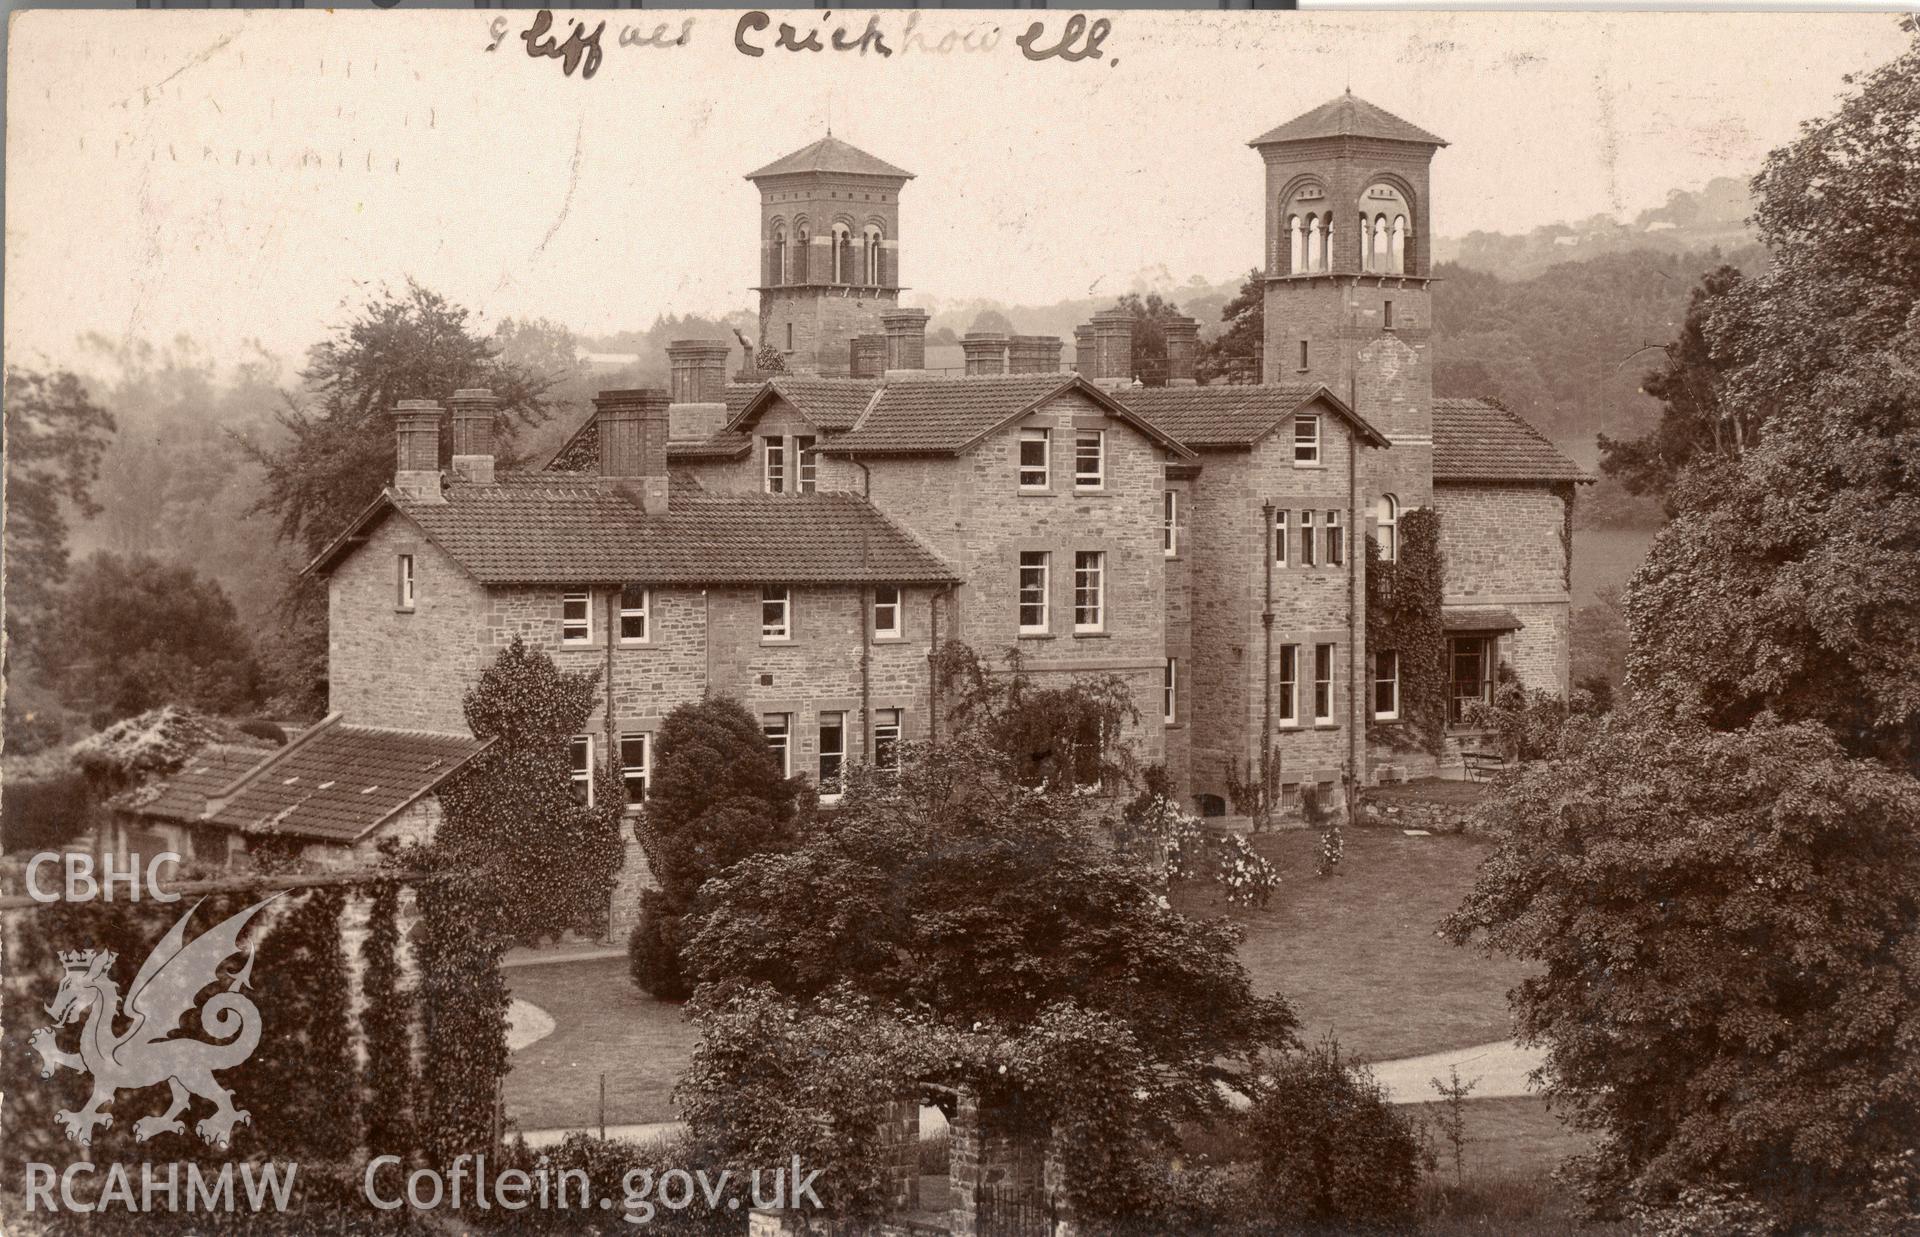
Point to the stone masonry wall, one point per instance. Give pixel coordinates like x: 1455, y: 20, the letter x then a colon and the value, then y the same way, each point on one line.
x: 1503, y: 549
x: 972, y: 511
x: 406, y: 670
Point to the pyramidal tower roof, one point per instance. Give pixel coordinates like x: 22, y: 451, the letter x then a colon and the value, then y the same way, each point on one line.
x: 830, y: 154
x: 1348, y: 115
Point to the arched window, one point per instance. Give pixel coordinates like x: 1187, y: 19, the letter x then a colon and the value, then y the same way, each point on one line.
x: 842, y: 254
x: 802, y: 255
x: 872, y: 247
x: 1296, y: 246
x: 1366, y: 243
x: 1314, y: 259
x: 1326, y: 245
x: 1388, y: 217
x: 778, y: 275
x: 1387, y: 524
x: 1380, y: 243
x: 1399, y: 244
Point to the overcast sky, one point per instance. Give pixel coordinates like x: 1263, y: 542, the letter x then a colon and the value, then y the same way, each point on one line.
x: 231, y: 174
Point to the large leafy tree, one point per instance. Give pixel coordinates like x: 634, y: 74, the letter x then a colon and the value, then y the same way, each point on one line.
x: 55, y: 437
x: 717, y: 796
x: 413, y: 344
x: 1730, y: 975
x: 1789, y: 579
x: 963, y: 926
x: 1687, y: 385
x: 137, y: 633
x: 958, y: 888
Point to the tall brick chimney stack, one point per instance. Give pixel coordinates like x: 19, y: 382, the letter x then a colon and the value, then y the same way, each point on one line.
x: 986, y: 352
x: 475, y: 411
x: 1083, y: 359
x: 1113, y: 347
x: 698, y: 389
x: 416, y: 453
x: 1033, y: 354
x: 1183, y: 343
x: 633, y: 444
x: 906, y: 338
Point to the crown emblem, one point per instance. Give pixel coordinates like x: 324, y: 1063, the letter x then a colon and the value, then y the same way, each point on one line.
x: 77, y: 959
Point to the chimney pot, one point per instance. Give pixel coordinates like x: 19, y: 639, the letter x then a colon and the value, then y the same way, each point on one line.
x: 1183, y: 342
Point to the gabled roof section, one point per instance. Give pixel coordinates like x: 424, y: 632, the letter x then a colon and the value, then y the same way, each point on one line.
x: 946, y: 416
x: 830, y: 154
x: 582, y: 451
x: 1477, y: 440
x: 334, y: 783
x: 831, y: 404
x: 1348, y: 116
x: 1237, y: 416
x: 562, y: 528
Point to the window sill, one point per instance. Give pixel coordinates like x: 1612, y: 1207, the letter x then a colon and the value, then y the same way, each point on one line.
x: 404, y: 610
x: 1172, y: 725
x: 776, y: 641
x: 1038, y: 635
x: 1102, y: 492
x: 889, y: 639
x: 1312, y: 465
x: 1093, y: 635
x: 1320, y: 725
x: 1026, y: 493
x: 635, y: 644
x: 580, y: 645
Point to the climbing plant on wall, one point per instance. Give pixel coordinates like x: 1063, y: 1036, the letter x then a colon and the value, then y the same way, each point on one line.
x: 550, y: 861
x: 1403, y: 614
x: 385, y: 1027
x: 463, y: 1013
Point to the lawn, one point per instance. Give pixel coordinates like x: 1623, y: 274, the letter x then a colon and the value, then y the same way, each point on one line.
x: 602, y: 1025
x: 1356, y: 953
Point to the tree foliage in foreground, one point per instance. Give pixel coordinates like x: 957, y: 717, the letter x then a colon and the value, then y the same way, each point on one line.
x: 718, y: 796
x: 55, y: 437
x: 973, y: 922
x: 1730, y: 969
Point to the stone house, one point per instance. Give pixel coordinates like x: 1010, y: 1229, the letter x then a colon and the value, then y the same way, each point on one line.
x: 802, y: 540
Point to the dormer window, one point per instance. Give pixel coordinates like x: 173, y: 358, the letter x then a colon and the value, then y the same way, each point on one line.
x: 807, y: 463
x: 774, y: 452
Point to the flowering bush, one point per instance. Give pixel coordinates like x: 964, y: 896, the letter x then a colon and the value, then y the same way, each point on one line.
x: 1174, y: 847
x: 1247, y: 877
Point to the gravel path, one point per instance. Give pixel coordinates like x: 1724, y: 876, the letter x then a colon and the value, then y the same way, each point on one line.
x: 1501, y: 1068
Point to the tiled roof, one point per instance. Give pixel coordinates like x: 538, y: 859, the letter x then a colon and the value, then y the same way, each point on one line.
x: 1474, y: 440
x: 833, y: 404
x: 1230, y: 415
x: 830, y: 154
x: 943, y: 416
x: 562, y: 528
x: 582, y: 451
x: 184, y: 795
x: 1348, y: 116
x: 1467, y: 618
x: 333, y: 784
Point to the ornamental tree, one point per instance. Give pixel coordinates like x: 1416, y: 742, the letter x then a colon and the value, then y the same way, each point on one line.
x: 956, y: 893
x: 717, y: 796
x: 1730, y: 969
x: 512, y: 813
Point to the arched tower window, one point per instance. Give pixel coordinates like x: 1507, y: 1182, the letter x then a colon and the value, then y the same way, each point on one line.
x: 842, y: 253
x: 1387, y: 521
x: 1390, y: 230
x: 802, y: 255
x: 1326, y: 245
x: 778, y: 275
x: 1309, y: 228
x: 872, y: 248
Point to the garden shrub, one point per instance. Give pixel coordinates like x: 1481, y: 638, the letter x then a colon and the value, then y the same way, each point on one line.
x: 653, y: 949
x: 1332, y: 1151
x: 610, y: 1164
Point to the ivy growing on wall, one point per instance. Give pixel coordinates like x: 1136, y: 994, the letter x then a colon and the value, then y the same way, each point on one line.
x: 386, y: 1028
x: 1403, y: 614
x: 463, y: 1014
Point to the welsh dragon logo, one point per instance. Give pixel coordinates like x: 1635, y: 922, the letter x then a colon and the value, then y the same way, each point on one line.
x: 142, y: 1056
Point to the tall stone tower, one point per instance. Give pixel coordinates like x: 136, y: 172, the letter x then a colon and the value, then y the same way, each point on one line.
x: 830, y: 251
x: 1348, y: 262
